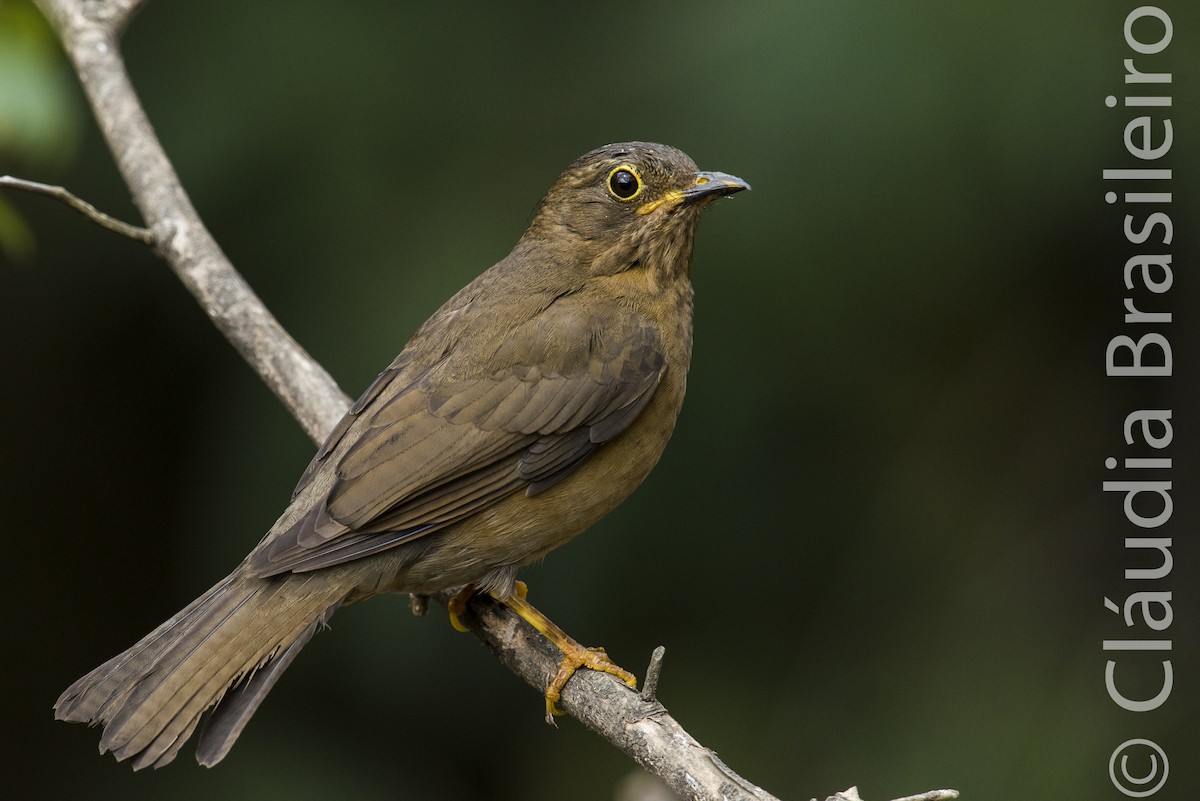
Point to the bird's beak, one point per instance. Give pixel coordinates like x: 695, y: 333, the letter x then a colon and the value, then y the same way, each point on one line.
x: 709, y: 185
x: 706, y: 186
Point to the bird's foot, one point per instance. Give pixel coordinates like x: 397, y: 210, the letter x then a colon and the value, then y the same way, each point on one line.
x: 457, y: 605
x: 575, y: 655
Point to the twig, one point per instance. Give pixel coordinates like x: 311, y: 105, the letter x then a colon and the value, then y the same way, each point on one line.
x: 143, y: 235
x: 933, y: 795
x: 89, y: 31
x: 650, y: 685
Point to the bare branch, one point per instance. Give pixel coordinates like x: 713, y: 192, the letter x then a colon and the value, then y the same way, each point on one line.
x: 933, y: 795
x: 650, y: 685
x: 89, y: 31
x: 142, y: 235
x: 642, y: 729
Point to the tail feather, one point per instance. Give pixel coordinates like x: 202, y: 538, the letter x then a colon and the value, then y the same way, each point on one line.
x: 242, y: 642
x: 93, y: 697
x: 226, y: 650
x: 215, y: 651
x: 240, y: 703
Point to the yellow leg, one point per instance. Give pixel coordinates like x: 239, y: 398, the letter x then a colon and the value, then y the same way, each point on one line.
x: 457, y: 605
x: 575, y: 655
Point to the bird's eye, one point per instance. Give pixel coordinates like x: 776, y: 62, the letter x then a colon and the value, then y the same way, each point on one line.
x: 624, y: 183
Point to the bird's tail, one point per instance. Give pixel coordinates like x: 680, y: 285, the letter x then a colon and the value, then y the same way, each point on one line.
x: 226, y: 650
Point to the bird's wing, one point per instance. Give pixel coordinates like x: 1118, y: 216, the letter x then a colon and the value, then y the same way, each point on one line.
x: 411, y: 459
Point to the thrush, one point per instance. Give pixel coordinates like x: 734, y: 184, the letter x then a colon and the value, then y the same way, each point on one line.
x: 526, y: 408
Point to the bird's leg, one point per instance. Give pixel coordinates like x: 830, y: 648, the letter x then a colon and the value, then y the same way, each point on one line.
x: 457, y: 605
x: 575, y: 655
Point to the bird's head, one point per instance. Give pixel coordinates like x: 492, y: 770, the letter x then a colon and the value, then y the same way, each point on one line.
x: 629, y: 204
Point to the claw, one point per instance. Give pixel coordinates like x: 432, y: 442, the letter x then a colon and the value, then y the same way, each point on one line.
x: 575, y: 655
x: 457, y: 605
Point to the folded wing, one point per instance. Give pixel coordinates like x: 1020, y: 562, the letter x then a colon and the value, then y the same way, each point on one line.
x: 411, y: 458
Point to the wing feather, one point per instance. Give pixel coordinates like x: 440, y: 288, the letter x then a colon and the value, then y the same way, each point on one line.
x: 410, y: 458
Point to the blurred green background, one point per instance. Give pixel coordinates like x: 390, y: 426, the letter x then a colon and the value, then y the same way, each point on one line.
x: 877, y: 548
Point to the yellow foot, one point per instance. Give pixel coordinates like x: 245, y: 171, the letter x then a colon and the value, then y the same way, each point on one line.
x: 457, y: 605
x: 575, y: 658
x: 575, y: 655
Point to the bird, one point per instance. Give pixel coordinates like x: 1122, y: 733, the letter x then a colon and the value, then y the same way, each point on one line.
x: 527, y: 407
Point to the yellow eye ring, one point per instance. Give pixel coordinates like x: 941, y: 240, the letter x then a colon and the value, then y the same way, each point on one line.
x: 624, y: 183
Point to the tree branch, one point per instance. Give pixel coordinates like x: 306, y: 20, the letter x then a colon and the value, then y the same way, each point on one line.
x: 637, y: 724
x: 142, y: 235
x: 932, y: 795
x: 89, y: 32
x: 642, y: 729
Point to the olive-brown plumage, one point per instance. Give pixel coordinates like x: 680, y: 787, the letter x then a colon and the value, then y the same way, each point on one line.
x: 526, y: 408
